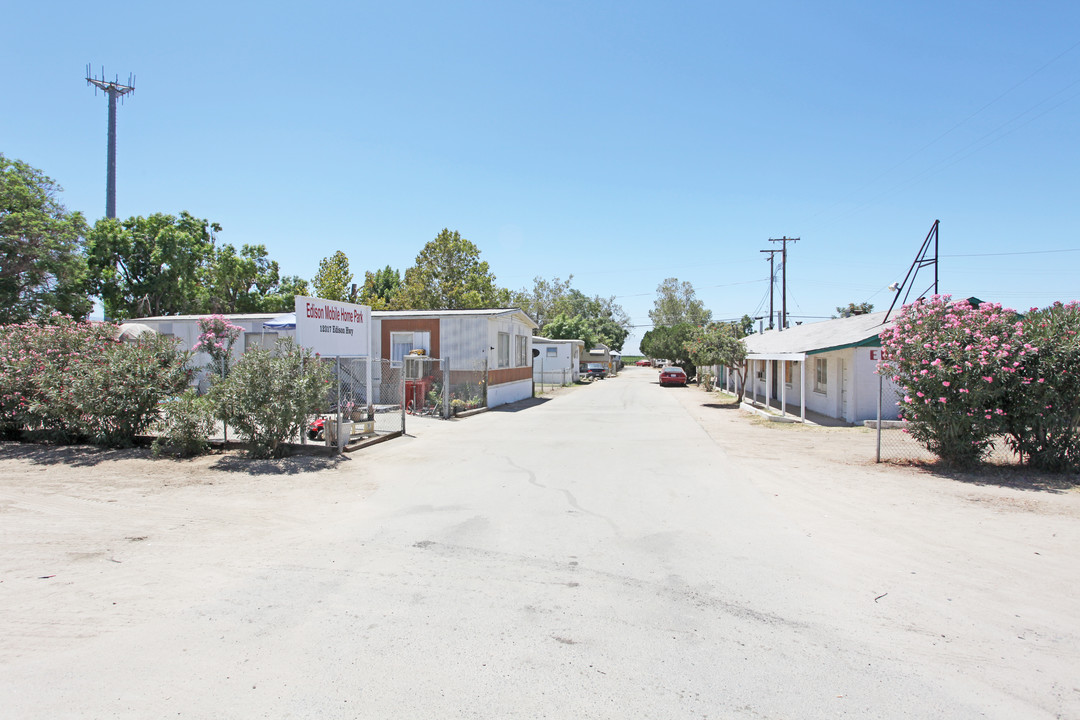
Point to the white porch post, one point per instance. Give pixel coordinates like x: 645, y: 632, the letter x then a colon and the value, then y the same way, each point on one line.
x: 783, y: 388
x: 768, y: 382
x: 802, y: 390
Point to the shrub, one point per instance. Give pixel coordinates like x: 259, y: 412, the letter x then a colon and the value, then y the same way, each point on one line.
x: 216, y: 338
x: 71, y: 381
x: 39, y: 364
x: 185, y: 427
x: 957, y: 365
x: 268, y: 396
x: 1044, y: 411
x: 121, y: 389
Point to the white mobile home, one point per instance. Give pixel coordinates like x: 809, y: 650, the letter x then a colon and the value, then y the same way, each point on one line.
x: 492, y: 346
x: 495, y: 344
x: 828, y: 367
x: 558, y: 361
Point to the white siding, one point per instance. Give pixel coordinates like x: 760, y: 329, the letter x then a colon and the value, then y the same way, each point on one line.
x: 509, y: 392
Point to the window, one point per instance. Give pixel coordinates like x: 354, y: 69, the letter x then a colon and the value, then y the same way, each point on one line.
x: 403, y: 343
x: 521, y: 349
x: 787, y: 372
x: 821, y: 375
x: 552, y: 351
x: 504, y: 350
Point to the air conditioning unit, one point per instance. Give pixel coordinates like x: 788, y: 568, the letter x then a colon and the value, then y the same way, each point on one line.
x: 414, y: 367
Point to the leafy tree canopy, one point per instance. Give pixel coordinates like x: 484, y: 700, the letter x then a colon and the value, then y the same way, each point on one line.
x: 249, y: 281
x: 380, y: 288
x: 333, y: 279
x: 42, y: 263
x: 571, y: 327
x: 719, y: 344
x: 863, y: 308
x: 677, y: 303
x: 153, y: 265
x: 602, y: 319
x: 449, y: 275
x: 669, y: 343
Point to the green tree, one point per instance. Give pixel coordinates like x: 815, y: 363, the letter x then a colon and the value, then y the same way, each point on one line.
x: 380, y: 288
x: 720, y: 344
x: 249, y: 281
x: 544, y: 301
x: 604, y: 319
x: 677, y: 303
x: 669, y: 343
x: 863, y: 308
x: 449, y: 275
x: 42, y: 263
x: 333, y: 279
x: 155, y: 265
x: 567, y: 327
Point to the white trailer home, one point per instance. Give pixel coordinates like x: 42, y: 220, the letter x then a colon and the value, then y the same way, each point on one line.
x: 558, y: 362
x: 827, y: 367
x: 492, y: 345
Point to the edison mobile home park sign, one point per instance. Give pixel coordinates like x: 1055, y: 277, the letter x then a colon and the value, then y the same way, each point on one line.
x: 332, y: 328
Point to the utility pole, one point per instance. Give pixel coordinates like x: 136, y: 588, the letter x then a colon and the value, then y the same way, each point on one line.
x: 772, y: 283
x: 783, y: 266
x: 113, y: 89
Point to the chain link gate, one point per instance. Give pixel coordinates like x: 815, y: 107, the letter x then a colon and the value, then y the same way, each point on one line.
x: 361, y: 402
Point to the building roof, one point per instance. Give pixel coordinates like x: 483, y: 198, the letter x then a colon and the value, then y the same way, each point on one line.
x: 491, y: 312
x: 537, y: 339
x: 819, y: 337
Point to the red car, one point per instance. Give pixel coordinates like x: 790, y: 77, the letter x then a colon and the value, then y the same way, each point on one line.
x: 643, y: 363
x: 672, y: 376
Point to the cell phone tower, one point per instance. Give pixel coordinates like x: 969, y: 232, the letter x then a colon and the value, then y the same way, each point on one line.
x: 113, y: 89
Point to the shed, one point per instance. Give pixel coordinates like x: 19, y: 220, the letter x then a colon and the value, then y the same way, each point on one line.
x: 830, y: 366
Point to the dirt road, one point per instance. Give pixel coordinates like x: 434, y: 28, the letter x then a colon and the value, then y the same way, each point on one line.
x: 618, y: 551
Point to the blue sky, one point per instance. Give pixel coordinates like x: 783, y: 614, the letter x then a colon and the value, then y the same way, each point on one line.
x: 621, y: 142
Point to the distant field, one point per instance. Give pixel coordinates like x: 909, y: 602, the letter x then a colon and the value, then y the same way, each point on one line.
x: 631, y: 359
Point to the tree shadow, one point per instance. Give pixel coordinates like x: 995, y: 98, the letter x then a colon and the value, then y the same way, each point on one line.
x: 70, y: 455
x: 733, y: 405
x: 299, y: 463
x: 1012, y: 476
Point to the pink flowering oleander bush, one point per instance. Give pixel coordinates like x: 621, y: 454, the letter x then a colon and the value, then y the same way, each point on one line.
x: 71, y: 381
x: 957, y: 365
x: 1044, y: 411
x: 37, y: 363
x: 216, y: 338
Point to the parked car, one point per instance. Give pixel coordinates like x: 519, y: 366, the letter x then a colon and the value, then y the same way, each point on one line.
x: 672, y: 376
x: 643, y: 363
x: 593, y: 370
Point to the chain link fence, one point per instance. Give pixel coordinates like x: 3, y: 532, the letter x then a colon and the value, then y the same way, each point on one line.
x: 366, y: 399
x: 895, y: 444
x: 440, y: 387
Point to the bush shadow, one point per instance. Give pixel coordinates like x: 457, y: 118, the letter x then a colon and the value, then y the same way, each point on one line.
x: 70, y: 455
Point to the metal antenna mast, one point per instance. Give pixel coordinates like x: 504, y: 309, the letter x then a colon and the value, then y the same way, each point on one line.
x: 923, y: 259
x: 783, y: 266
x: 113, y: 89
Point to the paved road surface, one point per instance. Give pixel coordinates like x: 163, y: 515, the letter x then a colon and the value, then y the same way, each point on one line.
x: 595, y: 556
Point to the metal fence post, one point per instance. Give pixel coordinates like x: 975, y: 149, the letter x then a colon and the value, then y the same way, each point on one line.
x: 446, y: 388
x: 338, y: 419
x: 880, y: 389
x: 401, y: 395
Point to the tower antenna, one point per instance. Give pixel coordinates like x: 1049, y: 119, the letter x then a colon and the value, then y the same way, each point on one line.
x: 113, y: 89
